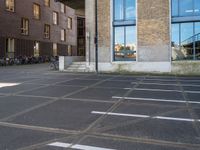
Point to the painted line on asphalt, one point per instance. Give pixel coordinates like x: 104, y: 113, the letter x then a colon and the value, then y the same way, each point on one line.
x: 77, y: 146
x: 145, y: 116
x: 155, y: 100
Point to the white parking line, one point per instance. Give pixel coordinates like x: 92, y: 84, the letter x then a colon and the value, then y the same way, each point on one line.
x: 155, y: 100
x: 144, y: 116
x: 77, y: 146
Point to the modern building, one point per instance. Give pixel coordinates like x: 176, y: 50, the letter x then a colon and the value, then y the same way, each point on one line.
x: 37, y: 28
x: 141, y: 35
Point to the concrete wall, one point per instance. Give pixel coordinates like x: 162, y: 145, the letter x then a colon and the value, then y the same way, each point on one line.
x: 153, y: 30
x: 186, y: 67
x: 90, y: 30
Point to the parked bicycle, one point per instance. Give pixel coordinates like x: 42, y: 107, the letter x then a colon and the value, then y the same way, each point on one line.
x: 54, y: 63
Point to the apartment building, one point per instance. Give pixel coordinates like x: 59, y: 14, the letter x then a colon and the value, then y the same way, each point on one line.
x: 37, y: 28
x: 141, y: 35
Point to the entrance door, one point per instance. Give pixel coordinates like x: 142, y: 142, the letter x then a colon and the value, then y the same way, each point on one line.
x: 81, y: 36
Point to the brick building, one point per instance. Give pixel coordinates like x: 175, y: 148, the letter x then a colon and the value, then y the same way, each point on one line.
x: 141, y: 35
x: 37, y: 27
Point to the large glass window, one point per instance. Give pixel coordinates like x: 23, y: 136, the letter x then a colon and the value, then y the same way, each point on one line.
x: 185, y: 31
x: 197, y: 40
x: 125, y: 43
x: 175, y: 7
x: 186, y: 41
x: 124, y: 9
x: 124, y: 33
x: 182, y: 8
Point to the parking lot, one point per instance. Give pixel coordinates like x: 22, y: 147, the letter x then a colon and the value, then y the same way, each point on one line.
x: 47, y: 110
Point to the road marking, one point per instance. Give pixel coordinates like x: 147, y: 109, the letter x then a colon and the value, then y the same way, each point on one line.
x: 155, y: 100
x: 8, y: 84
x: 144, y: 116
x: 77, y: 146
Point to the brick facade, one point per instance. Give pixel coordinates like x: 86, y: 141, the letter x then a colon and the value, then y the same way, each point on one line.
x: 10, y: 27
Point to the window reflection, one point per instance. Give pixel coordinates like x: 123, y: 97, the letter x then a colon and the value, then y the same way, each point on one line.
x: 187, y: 40
x: 197, y: 40
x: 130, y: 9
x: 186, y: 7
x: 119, y: 10
x: 125, y: 45
x: 174, y: 8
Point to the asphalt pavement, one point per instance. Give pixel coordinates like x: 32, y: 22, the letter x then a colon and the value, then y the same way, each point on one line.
x: 48, y: 110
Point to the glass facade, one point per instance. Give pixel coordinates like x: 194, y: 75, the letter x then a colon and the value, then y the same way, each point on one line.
x: 124, y: 30
x: 185, y: 33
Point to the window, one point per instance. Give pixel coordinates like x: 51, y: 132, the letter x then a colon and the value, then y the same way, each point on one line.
x: 124, y: 30
x: 47, y: 3
x: 182, y: 8
x: 36, y: 11
x: 124, y: 9
x: 55, y: 18
x: 36, y: 49
x: 63, y: 35
x: 55, y: 49
x: 47, y: 31
x: 62, y: 7
x: 24, y: 26
x: 186, y: 41
x: 10, y: 5
x: 69, y: 49
x: 69, y: 23
x: 185, y: 31
x: 10, y: 47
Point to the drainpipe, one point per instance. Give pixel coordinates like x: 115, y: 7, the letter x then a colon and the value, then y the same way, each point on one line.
x: 96, y: 35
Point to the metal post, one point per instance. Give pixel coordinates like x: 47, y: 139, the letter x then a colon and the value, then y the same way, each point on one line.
x: 96, y: 34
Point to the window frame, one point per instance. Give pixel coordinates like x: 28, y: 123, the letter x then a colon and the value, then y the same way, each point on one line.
x: 122, y: 23
x: 47, y: 3
x: 10, y: 8
x: 24, y: 31
x: 57, y: 18
x: 61, y: 36
x: 34, y: 16
x: 69, y: 23
x: 47, y: 35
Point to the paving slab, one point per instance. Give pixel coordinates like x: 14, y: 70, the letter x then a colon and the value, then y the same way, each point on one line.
x: 185, y: 82
x: 193, y: 96
x: 160, y: 81
x: 127, y: 112
x: 165, y: 130
x: 162, y: 87
x: 128, y: 78
x: 116, y: 84
x: 106, y: 143
x: 191, y: 88
x: 157, y: 95
x: 15, y: 138
x: 99, y: 94
x: 13, y: 104
x: 79, y: 82
x: 52, y: 91
x: 64, y: 114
